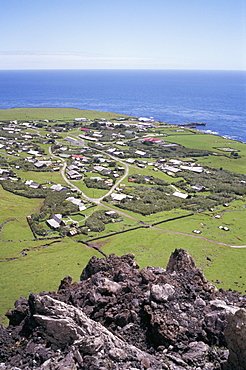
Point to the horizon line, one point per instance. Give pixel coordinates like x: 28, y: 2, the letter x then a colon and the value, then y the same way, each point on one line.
x: 121, y: 69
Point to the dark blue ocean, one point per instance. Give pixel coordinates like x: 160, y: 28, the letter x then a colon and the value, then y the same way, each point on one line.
x: 217, y: 98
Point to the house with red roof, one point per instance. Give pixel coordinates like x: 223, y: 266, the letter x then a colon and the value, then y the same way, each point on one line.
x: 153, y: 139
x: 77, y: 156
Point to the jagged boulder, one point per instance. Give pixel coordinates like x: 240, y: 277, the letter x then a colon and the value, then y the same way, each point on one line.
x: 17, y: 315
x: 162, y: 292
x: 181, y: 261
x: 235, y: 334
x: 67, y: 326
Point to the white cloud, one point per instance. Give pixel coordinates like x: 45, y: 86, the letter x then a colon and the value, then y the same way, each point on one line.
x: 75, y: 60
x: 67, y: 60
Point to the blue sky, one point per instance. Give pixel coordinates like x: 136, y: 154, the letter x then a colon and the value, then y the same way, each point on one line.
x: 123, y: 34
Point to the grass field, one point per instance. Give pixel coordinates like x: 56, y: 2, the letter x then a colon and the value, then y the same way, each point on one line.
x: 90, y: 192
x: 42, y: 177
x: 209, y: 227
x: 41, y: 270
x: 16, y: 208
x: 62, y: 114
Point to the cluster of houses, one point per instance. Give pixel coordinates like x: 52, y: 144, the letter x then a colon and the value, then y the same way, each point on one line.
x: 14, y: 138
x: 170, y: 168
x: 6, y: 174
x: 19, y: 144
x: 174, y: 165
x: 140, y: 124
x: 19, y: 140
x: 73, y: 172
x: 80, y: 163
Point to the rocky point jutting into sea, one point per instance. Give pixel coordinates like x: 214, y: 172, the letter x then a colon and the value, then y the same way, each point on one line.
x: 120, y: 317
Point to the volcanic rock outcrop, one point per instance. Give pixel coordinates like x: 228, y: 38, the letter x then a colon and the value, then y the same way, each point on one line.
x: 119, y: 317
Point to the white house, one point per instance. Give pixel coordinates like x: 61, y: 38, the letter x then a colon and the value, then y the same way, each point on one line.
x: 58, y: 187
x: 140, y: 153
x: 55, y: 221
x: 180, y: 195
x: 80, y: 119
x: 198, y: 169
x: 118, y: 197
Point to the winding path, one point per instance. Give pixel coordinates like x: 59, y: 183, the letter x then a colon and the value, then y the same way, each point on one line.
x: 5, y: 222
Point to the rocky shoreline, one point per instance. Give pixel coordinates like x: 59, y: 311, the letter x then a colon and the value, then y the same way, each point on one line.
x: 120, y: 317
x: 192, y: 124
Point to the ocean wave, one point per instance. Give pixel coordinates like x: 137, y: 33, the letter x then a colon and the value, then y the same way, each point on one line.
x: 210, y: 132
x: 233, y: 137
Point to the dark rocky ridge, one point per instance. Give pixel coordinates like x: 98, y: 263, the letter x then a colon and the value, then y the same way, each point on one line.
x: 120, y: 317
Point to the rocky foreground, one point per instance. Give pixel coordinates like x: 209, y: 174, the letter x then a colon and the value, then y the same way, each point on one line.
x: 120, y: 317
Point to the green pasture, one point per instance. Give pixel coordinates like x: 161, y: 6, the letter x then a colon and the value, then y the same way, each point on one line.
x: 208, y: 142
x: 165, y: 215
x: 51, y: 232
x: 172, y: 131
x: 209, y: 227
x: 124, y: 224
x: 77, y: 217
x: 45, y: 147
x: 42, y: 131
x: 41, y: 270
x: 233, y: 165
x: 61, y: 114
x: 15, y: 206
x: 12, y: 249
x: 87, y: 212
x: 16, y: 230
x: 90, y: 192
x: 198, y: 140
x: 73, y: 132
x: 42, y: 177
